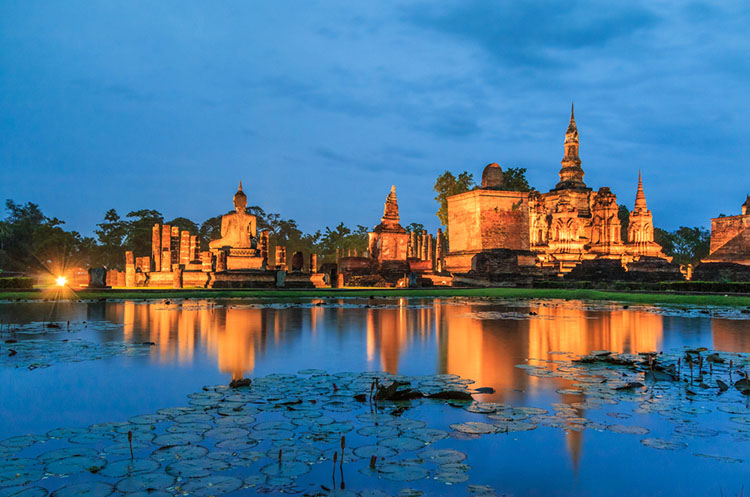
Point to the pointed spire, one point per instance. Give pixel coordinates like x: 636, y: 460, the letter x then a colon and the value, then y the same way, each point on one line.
x: 572, y: 128
x: 240, y: 188
x: 640, y: 197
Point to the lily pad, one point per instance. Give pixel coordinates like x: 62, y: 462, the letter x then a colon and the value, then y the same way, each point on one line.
x: 428, y: 435
x: 658, y: 443
x: 89, y: 489
x: 226, y: 433
x: 380, y: 431
x: 367, y: 451
x: 22, y: 491
x: 289, y: 469
x: 127, y: 467
x: 193, y: 468
x: 19, y: 476
x: 442, y: 456
x: 145, y: 481
x: 211, y: 485
x: 147, y: 419
x: 474, y: 428
x: 632, y: 430
x: 178, y: 452
x: 402, y: 443
x: 177, y: 439
x: 402, y: 472
x: 74, y: 464
x: 68, y: 452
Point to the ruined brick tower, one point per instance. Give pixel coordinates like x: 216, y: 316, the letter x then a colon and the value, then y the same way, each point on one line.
x: 389, y: 240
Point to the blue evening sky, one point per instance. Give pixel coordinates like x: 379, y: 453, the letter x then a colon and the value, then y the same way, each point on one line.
x: 318, y: 107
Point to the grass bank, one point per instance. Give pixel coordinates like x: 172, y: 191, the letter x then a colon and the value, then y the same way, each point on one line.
x: 517, y: 293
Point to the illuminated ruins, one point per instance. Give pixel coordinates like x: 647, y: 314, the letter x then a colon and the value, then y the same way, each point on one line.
x: 554, y: 231
x: 240, y: 258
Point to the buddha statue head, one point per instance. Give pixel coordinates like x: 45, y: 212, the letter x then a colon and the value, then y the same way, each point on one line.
x: 240, y: 200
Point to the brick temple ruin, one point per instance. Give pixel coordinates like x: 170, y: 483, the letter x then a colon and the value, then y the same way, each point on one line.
x: 729, y: 259
x: 494, y: 230
x: 395, y: 256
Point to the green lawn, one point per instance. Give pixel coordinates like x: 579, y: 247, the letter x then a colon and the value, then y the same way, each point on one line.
x: 520, y: 293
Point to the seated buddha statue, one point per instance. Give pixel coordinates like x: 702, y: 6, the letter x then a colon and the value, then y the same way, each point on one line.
x: 237, y: 228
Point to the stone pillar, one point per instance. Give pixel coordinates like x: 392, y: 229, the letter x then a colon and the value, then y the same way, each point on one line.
x: 177, y: 276
x: 156, y: 247
x: 185, y: 248
x: 440, y: 252
x: 425, y: 248
x: 431, y: 251
x: 207, y: 262
x: 280, y: 278
x: 195, y: 248
x: 166, y: 248
x: 281, y: 257
x: 175, y: 245
x: 129, y: 269
x: 313, y: 263
x: 221, y: 261
x: 264, y: 244
x: 413, y: 245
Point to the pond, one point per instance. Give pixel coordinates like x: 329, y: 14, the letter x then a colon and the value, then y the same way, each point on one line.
x: 83, y: 377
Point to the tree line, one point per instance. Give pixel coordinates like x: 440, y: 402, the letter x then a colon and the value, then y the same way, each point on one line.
x: 32, y: 241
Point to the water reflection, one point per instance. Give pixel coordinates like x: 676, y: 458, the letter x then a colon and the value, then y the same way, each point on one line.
x: 474, y: 340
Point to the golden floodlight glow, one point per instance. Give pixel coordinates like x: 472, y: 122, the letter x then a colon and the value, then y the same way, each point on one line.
x: 62, y: 281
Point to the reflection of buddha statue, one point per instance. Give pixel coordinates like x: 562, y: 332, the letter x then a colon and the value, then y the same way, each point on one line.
x: 237, y: 228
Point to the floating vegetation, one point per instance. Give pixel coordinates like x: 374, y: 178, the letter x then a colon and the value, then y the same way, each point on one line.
x: 682, y: 387
x: 269, y: 435
x: 36, y: 345
x: 265, y: 436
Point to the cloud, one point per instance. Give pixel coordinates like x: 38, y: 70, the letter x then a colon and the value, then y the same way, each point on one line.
x: 527, y: 34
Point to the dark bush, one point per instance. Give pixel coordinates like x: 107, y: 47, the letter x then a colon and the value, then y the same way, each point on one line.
x: 17, y: 283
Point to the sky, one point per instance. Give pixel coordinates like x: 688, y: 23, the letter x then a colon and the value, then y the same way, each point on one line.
x: 319, y: 107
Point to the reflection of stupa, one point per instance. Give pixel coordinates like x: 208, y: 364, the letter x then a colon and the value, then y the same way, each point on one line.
x: 487, y: 350
x: 389, y: 332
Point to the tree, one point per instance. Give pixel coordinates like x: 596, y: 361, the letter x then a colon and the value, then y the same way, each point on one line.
x: 139, y: 229
x: 664, y: 238
x: 447, y: 185
x: 514, y: 179
x: 111, y: 234
x: 209, y: 230
x: 184, y: 224
x: 31, y: 241
x: 417, y: 228
x: 690, y: 244
x: 623, y: 214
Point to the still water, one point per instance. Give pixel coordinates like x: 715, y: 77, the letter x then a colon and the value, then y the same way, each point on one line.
x: 95, y: 368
